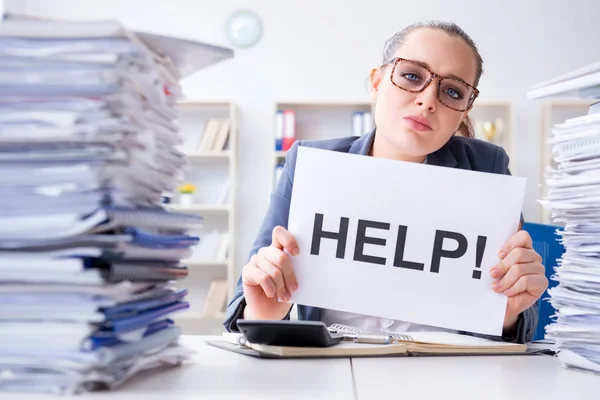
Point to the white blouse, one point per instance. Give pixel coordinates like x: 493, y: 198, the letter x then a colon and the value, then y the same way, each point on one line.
x: 375, y: 324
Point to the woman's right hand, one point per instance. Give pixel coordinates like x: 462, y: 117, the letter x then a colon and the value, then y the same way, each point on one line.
x: 268, y: 279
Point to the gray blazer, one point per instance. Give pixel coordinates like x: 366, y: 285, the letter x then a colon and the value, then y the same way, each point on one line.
x: 458, y: 152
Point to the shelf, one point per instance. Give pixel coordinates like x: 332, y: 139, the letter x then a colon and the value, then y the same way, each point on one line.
x: 325, y: 104
x: 199, y: 207
x: 208, y: 155
x: 200, y: 103
x: 280, y: 154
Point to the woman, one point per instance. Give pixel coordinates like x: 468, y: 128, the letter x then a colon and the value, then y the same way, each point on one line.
x: 423, y: 92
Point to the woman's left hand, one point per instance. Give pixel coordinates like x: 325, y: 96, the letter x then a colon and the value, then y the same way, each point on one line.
x: 520, y: 275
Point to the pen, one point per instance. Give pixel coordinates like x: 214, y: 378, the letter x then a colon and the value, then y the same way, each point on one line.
x: 371, y: 339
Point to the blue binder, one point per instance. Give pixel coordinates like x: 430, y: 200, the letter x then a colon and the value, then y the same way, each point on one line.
x: 132, y: 308
x: 546, y: 243
x: 107, y: 339
x: 143, y: 238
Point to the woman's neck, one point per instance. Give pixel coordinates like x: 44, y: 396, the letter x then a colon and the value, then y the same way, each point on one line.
x: 383, y: 149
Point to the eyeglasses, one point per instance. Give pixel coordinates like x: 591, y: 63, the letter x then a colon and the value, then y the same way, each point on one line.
x: 414, y: 77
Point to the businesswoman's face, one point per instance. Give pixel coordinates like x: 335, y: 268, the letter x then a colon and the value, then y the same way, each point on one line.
x: 414, y: 118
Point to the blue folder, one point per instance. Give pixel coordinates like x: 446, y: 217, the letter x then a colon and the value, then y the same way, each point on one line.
x: 546, y: 244
x: 125, y: 310
x: 143, y: 319
x: 144, y: 238
x: 107, y: 339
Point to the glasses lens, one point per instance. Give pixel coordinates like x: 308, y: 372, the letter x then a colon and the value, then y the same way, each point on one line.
x: 455, y: 94
x: 410, y: 76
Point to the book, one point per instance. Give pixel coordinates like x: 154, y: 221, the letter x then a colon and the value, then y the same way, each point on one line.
x: 221, y: 136
x: 343, y: 349
x: 216, y: 299
x: 211, y: 130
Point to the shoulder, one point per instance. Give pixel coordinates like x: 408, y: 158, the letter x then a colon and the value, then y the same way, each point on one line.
x: 478, y: 155
x: 285, y: 184
x: 342, y: 144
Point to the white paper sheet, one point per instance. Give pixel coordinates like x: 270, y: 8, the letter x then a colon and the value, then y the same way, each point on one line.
x: 423, y: 198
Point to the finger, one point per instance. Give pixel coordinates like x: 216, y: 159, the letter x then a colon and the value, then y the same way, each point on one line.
x: 257, y: 277
x: 283, y: 239
x: 519, y: 239
x: 515, y: 272
x: 282, y: 261
x: 534, y: 284
x: 276, y: 275
x: 519, y: 255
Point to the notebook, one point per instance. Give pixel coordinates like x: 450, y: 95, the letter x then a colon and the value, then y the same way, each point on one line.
x: 402, y: 344
x: 439, y: 342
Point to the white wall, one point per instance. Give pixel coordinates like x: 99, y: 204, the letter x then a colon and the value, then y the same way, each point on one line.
x: 323, y: 51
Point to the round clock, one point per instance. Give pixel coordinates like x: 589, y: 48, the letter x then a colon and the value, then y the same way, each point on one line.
x: 244, y: 28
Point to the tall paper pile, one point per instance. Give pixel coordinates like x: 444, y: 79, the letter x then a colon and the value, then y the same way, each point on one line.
x: 574, y: 199
x: 88, y: 144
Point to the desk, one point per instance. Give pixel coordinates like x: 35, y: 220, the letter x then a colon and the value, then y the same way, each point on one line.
x: 219, y: 374
x: 473, y: 377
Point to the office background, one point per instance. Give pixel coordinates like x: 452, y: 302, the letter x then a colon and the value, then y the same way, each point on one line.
x: 322, y: 51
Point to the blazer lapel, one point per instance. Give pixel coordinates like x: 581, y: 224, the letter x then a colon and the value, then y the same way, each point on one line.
x: 362, y: 145
x: 442, y: 157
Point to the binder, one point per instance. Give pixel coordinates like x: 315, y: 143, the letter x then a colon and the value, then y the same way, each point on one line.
x: 143, y: 238
x: 98, y: 340
x: 141, y: 320
x: 279, y: 130
x: 166, y: 297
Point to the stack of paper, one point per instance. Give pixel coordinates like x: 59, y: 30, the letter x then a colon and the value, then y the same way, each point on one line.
x: 574, y: 200
x: 581, y: 82
x: 88, y: 141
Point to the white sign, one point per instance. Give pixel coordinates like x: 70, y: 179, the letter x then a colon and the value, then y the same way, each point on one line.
x: 399, y: 240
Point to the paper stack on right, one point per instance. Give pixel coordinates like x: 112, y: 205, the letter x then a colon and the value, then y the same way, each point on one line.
x: 573, y: 198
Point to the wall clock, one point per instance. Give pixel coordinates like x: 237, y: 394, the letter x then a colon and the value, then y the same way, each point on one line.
x: 244, y: 28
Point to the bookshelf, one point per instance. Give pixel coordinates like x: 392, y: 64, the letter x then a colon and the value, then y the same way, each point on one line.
x: 209, y: 135
x: 555, y: 111
x: 316, y: 121
x: 493, y: 121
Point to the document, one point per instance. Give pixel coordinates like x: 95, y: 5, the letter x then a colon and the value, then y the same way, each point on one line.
x: 573, y: 199
x: 400, y: 240
x: 88, y: 254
